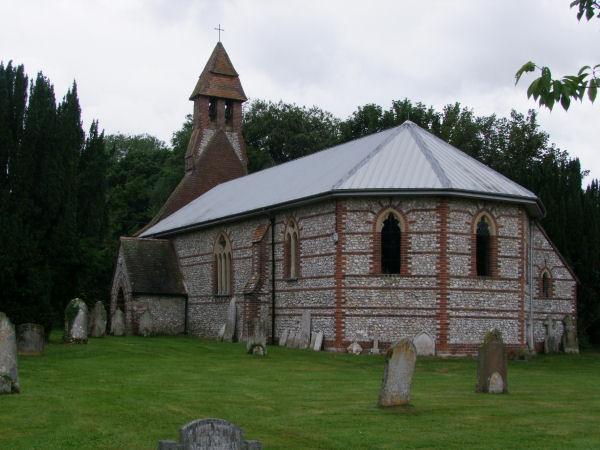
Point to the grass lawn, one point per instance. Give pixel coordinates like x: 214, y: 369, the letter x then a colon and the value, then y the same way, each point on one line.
x: 127, y: 393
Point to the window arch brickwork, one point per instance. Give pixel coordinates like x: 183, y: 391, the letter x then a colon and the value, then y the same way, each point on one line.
x: 545, y: 287
x: 484, y: 246
x: 222, y: 266
x: 291, y: 251
x: 390, y: 243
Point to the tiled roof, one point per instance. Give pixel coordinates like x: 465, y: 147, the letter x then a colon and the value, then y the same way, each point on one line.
x: 219, y: 78
x: 152, y: 266
x: 405, y: 160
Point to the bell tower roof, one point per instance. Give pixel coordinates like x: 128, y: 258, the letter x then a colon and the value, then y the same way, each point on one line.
x: 219, y: 78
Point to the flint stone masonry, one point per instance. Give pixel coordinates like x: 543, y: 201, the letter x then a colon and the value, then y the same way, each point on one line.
x: 76, y: 322
x: 30, y: 339
x: 117, y: 323
x: 424, y: 344
x: 9, y: 369
x: 492, y: 364
x: 98, y: 321
x: 397, y: 375
x: 146, y: 324
x: 210, y: 434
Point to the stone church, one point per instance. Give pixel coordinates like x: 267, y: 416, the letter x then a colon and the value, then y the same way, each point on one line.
x: 390, y: 235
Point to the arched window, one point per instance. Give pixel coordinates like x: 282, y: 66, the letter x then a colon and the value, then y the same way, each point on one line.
x: 120, y: 301
x: 291, y: 251
x: 212, y: 109
x: 546, y: 285
x: 390, y: 245
x: 483, y: 247
x: 222, y: 257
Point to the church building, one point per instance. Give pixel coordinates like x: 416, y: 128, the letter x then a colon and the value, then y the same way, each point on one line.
x: 391, y: 235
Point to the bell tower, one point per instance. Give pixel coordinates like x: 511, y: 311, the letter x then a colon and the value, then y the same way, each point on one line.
x: 216, y: 152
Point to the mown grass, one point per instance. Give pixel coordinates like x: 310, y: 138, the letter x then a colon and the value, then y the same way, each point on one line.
x: 130, y: 392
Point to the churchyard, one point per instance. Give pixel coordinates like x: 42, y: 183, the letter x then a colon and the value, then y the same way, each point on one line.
x: 131, y: 392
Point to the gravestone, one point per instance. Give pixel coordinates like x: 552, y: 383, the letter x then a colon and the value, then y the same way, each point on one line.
x: 551, y: 340
x: 210, y: 434
x: 355, y: 348
x: 30, y: 339
x: 313, y: 338
x: 397, y: 376
x: 98, y: 321
x: 569, y: 339
x: 318, y: 342
x: 145, y: 324
x: 491, y: 364
x: 76, y: 322
x: 375, y: 347
x: 291, y: 339
x: 229, y: 333
x: 221, y: 332
x: 424, y: 344
x: 284, y: 337
x: 9, y: 369
x: 304, y: 337
x: 256, y: 341
x: 117, y: 324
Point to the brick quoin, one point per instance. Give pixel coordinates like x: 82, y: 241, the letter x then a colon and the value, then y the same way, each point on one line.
x: 340, y: 271
x: 442, y: 316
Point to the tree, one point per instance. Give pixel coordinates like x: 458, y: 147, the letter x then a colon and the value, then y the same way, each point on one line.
x: 548, y: 91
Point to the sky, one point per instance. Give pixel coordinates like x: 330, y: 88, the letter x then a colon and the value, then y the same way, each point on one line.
x: 136, y: 62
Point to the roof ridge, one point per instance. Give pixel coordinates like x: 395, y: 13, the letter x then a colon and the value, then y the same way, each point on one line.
x: 433, y: 162
x: 370, y: 155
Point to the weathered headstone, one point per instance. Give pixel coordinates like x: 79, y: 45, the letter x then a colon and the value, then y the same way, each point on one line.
x: 9, y: 370
x: 98, y: 321
x: 256, y: 341
x: 291, y: 339
x: 210, y: 434
x: 491, y: 364
x: 375, y: 347
x: 229, y: 333
x: 569, y: 339
x: 221, y: 332
x: 530, y: 340
x: 284, y: 337
x: 313, y: 338
x: 30, y: 339
x: 551, y: 341
x: 400, y: 362
x: 355, y: 348
x: 318, y: 342
x: 304, y: 338
x: 76, y: 322
x: 424, y: 344
x: 117, y: 323
x: 145, y: 325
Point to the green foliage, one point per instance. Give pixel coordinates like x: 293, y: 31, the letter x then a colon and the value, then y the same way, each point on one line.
x: 548, y: 91
x: 131, y: 392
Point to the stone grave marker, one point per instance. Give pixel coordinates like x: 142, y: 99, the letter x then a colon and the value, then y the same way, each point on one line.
x: 76, y: 322
x: 117, y: 324
x: 229, y: 333
x: 291, y: 339
x: 221, y: 332
x: 284, y: 337
x: 318, y: 342
x: 145, y: 324
x: 256, y: 341
x: 569, y: 339
x: 30, y: 339
x: 313, y: 338
x: 424, y: 344
x: 210, y: 434
x: 355, y: 348
x: 304, y: 337
x: 491, y: 364
x: 400, y: 362
x: 551, y: 341
x: 98, y: 321
x: 375, y: 347
x: 9, y: 369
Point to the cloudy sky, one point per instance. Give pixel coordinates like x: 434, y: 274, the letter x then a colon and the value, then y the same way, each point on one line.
x: 136, y: 61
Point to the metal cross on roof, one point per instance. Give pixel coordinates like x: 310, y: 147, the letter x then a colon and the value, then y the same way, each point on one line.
x: 219, y: 29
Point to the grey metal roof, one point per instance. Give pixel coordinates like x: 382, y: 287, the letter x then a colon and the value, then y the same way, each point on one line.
x: 405, y: 160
